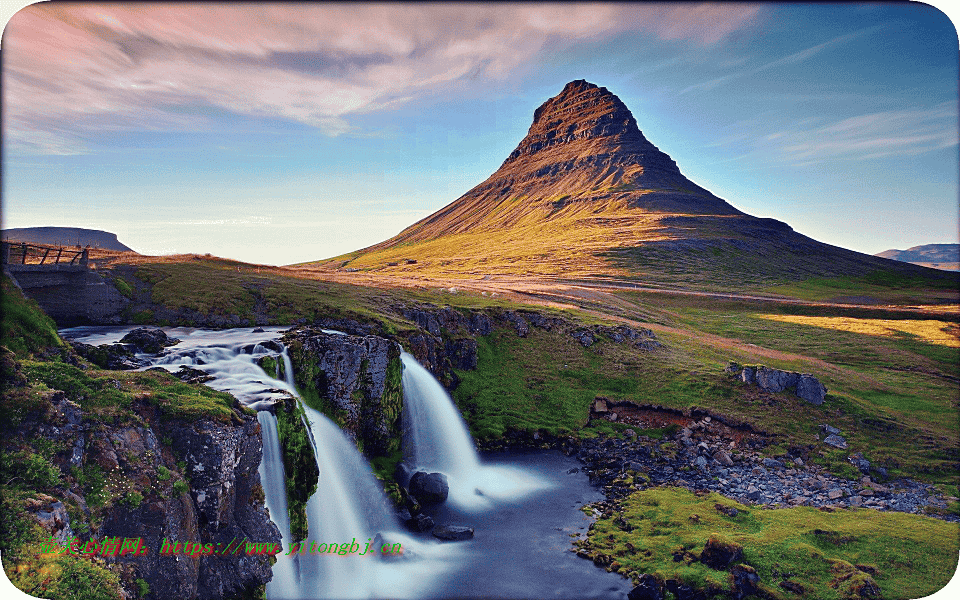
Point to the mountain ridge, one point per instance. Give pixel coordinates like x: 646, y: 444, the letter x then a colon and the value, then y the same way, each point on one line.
x: 938, y: 256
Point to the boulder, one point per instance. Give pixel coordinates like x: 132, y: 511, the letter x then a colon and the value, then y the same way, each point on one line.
x: 743, y: 581
x: 836, y: 441
x: 453, y: 532
x: 647, y: 588
x: 148, y: 341
x: 719, y: 555
x: 422, y: 523
x: 810, y: 389
x: 723, y: 458
x: 115, y: 357
x: 429, y: 488
x: 584, y: 336
x: 775, y: 380
x: 860, y: 462
x: 748, y: 375
x: 772, y: 463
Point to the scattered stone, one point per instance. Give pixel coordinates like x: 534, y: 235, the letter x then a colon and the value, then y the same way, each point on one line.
x: 584, y: 336
x: 727, y: 510
x: 743, y: 581
x: 453, y: 532
x: 723, y: 458
x: 647, y: 588
x: 836, y: 441
x: 829, y: 429
x: 772, y: 463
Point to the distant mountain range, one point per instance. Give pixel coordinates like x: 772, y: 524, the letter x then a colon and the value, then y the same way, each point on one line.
x: 66, y: 236
x: 586, y: 195
x: 938, y: 256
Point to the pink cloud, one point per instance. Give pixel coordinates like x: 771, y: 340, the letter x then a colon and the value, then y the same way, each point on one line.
x: 71, y: 70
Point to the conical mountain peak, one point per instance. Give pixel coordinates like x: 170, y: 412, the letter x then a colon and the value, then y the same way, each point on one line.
x: 582, y: 111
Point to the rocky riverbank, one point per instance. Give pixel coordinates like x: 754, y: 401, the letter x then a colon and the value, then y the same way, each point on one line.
x: 709, y: 455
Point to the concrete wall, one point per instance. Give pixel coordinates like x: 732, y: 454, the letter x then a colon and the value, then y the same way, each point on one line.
x: 70, y: 294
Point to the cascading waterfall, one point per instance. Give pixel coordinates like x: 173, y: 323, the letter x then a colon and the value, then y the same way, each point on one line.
x: 437, y: 440
x: 273, y: 480
x: 438, y: 437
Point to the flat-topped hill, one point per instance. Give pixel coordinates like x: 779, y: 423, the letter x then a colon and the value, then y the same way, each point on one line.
x: 66, y: 236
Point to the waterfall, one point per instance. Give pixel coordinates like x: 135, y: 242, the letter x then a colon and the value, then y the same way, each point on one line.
x: 273, y: 480
x: 438, y: 437
x: 436, y: 440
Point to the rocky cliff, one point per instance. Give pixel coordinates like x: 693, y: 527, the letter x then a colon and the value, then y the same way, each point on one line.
x: 353, y: 379
x: 90, y: 457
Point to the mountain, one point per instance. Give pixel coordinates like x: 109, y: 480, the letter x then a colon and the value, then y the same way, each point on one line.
x: 938, y: 256
x: 66, y: 236
x: 585, y: 194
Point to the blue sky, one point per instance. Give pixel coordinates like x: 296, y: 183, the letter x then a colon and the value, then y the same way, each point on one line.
x: 278, y: 134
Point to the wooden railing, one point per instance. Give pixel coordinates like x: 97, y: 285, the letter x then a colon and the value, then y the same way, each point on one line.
x: 20, y: 253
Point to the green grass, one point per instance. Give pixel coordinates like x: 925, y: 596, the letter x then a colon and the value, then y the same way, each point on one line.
x: 110, y: 394
x: 212, y: 287
x: 887, y: 286
x: 300, y: 465
x: 827, y: 553
x: 24, y: 328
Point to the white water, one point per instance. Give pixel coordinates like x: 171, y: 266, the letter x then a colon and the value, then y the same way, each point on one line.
x: 438, y: 441
x: 273, y: 480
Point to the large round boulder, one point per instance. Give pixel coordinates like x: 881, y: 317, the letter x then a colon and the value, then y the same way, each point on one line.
x: 429, y: 488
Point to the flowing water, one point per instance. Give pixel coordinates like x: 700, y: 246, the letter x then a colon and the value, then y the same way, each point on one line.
x: 524, y: 506
x: 438, y: 441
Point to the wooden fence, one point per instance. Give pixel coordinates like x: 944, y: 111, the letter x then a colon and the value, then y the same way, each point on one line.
x: 20, y: 253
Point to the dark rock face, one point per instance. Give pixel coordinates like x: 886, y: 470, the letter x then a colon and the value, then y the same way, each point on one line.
x: 359, y: 376
x: 811, y: 390
x: 223, y: 500
x: 453, y: 532
x: 429, y: 488
x: 448, y: 338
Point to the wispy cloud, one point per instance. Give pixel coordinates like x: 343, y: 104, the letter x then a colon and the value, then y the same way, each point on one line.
x: 74, y: 69
x: 875, y: 135
x: 791, y: 59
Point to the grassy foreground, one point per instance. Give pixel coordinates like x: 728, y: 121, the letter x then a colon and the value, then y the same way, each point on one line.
x: 797, y: 552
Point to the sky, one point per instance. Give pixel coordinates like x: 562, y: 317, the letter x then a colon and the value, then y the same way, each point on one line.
x: 278, y: 134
